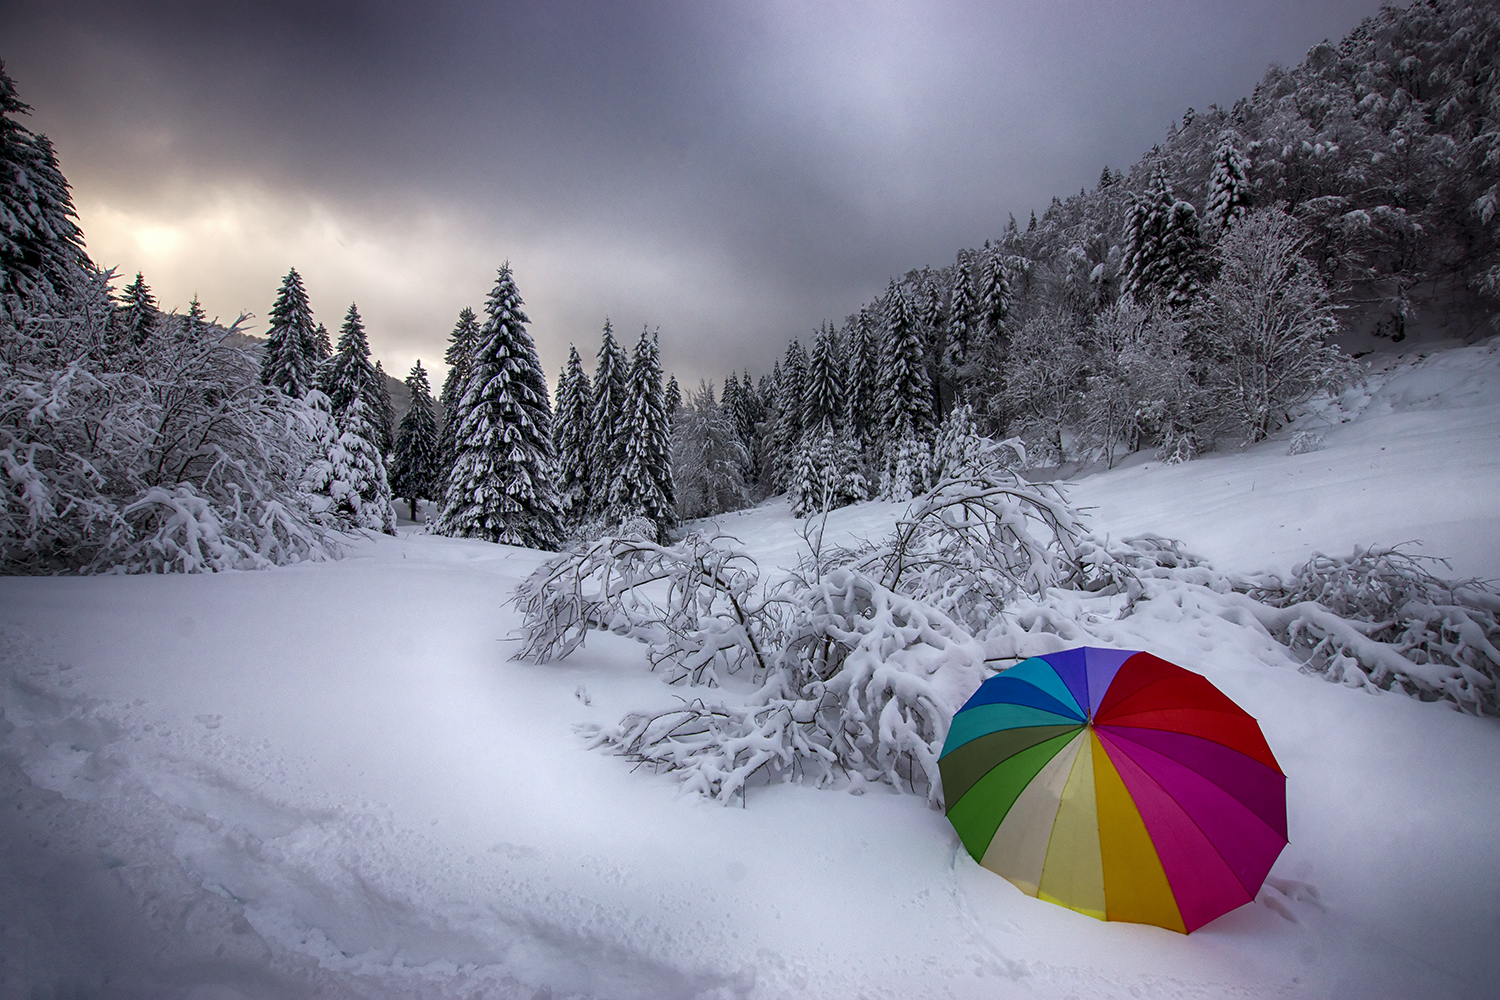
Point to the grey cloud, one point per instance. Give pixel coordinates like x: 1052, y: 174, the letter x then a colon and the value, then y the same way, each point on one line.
x: 796, y: 155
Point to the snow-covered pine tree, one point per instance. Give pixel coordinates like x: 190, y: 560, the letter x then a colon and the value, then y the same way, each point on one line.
x: 350, y: 374
x: 195, y: 323
x: 608, y: 426
x: 818, y: 480
x: 358, y: 483
x: 571, y: 433
x: 1164, y: 255
x: 324, y: 342
x: 994, y: 292
x: 905, y: 394
x: 959, y: 449
x: 672, y: 396
x: 501, y: 485
x: 646, y: 476
x: 862, y: 415
x: 41, y: 246
x: 384, y: 411
x: 1184, y: 257
x: 460, y: 349
x: 1228, y: 185
x: 289, y: 361
x: 963, y: 312
x: 932, y: 317
x: 827, y: 474
x: 735, y: 403
x: 417, y: 466
x: 786, y: 430
x: 823, y: 397
x: 730, y: 401
x: 138, y: 315
x: 707, y: 459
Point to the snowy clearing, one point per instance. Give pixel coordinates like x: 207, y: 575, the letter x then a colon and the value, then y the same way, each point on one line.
x: 332, y: 780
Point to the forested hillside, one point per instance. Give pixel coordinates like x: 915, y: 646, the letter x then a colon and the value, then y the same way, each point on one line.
x: 1190, y: 303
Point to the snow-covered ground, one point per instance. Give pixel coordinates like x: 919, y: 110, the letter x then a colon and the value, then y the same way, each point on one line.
x: 332, y: 780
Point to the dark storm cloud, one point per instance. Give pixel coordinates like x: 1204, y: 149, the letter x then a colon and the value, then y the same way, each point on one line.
x: 733, y: 172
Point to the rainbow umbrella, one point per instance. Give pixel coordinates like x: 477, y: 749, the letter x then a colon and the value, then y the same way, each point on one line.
x: 1116, y: 784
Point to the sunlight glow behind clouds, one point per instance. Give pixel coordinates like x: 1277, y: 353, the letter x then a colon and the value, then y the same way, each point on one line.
x: 411, y: 272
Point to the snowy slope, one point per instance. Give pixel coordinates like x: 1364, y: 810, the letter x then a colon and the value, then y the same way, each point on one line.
x: 331, y: 780
x: 1413, y: 455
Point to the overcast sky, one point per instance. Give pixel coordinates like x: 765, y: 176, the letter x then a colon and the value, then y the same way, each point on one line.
x: 733, y: 173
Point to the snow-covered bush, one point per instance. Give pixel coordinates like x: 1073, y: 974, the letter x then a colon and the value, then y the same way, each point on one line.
x: 971, y: 545
x: 1380, y: 617
x: 167, y: 455
x: 854, y: 663
x: 1303, y: 442
x: 863, y: 688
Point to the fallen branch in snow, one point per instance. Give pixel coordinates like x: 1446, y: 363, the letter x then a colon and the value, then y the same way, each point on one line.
x: 864, y: 686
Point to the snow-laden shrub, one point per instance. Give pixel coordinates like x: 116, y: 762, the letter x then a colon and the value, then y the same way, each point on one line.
x: 168, y: 455
x: 1379, y: 617
x: 863, y: 688
x: 1303, y: 442
x: 697, y: 604
x: 971, y: 545
x: 854, y: 663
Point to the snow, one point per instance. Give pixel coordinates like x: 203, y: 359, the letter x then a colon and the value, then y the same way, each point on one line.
x: 330, y: 779
x: 1413, y: 455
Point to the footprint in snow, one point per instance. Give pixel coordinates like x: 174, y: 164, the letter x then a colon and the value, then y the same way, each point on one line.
x: 1279, y: 894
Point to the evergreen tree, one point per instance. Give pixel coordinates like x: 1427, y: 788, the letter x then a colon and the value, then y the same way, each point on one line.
x: 646, y: 476
x: 138, y: 314
x: 733, y: 403
x: 1164, y: 258
x: 994, y: 294
x: 905, y: 392
x: 195, y: 323
x: 500, y: 487
x: 1228, y: 185
x: 384, y: 412
x: 350, y: 375
x: 823, y: 399
x: 608, y: 426
x: 862, y: 416
x: 351, y: 475
x: 672, y: 397
x: 290, y: 358
x: 786, y: 431
x: 1183, y: 255
x: 571, y: 434
x: 324, y: 343
x: 460, y: 349
x: 41, y: 246
x: 932, y: 318
x: 417, y: 466
x: 827, y: 473
x: 707, y: 459
x: 963, y: 313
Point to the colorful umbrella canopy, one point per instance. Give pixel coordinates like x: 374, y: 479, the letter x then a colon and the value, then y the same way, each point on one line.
x: 1116, y: 784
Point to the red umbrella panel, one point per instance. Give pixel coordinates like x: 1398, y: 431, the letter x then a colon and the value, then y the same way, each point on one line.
x: 1116, y: 784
